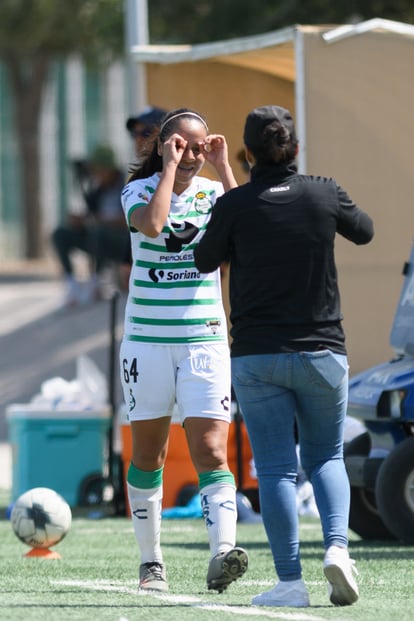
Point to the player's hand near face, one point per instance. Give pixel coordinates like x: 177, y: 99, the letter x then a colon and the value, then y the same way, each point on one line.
x: 214, y: 149
x: 173, y: 149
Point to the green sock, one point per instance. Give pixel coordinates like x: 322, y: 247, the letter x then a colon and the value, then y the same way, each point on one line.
x: 215, y: 476
x: 142, y: 479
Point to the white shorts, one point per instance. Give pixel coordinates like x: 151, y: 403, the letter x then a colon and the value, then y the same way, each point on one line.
x: 196, y: 377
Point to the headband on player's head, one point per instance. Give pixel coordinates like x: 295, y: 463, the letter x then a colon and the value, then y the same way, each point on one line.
x: 175, y: 116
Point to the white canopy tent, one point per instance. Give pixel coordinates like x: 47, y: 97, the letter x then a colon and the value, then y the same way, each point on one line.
x: 351, y: 90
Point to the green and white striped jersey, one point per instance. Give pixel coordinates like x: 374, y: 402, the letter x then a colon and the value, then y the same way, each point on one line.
x: 169, y: 301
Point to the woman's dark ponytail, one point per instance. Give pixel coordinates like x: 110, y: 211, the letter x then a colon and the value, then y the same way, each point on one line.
x: 277, y: 146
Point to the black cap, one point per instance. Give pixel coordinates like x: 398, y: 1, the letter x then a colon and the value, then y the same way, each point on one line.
x: 259, y: 118
x: 150, y: 117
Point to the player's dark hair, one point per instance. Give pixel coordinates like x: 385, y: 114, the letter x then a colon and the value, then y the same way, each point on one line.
x: 276, y: 145
x: 169, y: 124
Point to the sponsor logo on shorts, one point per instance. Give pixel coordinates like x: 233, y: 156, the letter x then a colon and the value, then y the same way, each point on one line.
x: 132, y: 402
x: 214, y: 325
x: 201, y: 363
x: 225, y: 403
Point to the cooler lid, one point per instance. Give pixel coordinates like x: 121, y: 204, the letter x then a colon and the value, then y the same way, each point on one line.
x: 31, y: 410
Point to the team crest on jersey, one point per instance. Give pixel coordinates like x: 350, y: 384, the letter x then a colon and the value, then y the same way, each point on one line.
x: 202, y: 203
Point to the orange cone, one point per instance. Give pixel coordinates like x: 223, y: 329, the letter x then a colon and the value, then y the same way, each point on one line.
x: 43, y: 553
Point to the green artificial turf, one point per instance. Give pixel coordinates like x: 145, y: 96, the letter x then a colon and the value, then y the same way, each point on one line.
x: 96, y: 578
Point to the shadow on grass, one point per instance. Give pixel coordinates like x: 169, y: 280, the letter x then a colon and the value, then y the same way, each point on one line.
x: 314, y: 549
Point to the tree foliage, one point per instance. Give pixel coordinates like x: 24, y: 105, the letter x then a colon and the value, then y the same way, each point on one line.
x: 93, y: 28
x: 33, y: 35
x: 186, y: 21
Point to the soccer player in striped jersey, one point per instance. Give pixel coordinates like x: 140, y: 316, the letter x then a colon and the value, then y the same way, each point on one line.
x: 175, y: 344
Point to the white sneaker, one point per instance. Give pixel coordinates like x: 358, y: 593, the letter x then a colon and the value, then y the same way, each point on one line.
x: 338, y: 569
x: 152, y: 577
x: 293, y: 594
x: 90, y: 293
x: 72, y: 293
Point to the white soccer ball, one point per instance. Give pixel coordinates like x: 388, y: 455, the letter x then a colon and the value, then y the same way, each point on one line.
x: 41, y: 517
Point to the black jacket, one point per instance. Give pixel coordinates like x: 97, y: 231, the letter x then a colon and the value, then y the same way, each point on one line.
x: 278, y: 233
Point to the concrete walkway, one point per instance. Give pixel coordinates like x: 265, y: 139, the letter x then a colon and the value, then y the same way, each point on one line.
x: 40, y: 341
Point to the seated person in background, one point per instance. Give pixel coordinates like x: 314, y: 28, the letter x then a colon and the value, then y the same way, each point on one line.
x: 101, y: 232
x: 144, y: 128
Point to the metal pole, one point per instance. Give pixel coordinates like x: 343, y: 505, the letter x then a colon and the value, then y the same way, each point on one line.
x: 300, y: 99
x: 115, y: 470
x: 136, y: 33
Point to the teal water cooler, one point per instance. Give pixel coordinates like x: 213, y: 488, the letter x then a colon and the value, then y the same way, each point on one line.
x: 57, y: 449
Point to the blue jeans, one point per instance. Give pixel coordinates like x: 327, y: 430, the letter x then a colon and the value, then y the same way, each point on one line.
x: 274, y: 392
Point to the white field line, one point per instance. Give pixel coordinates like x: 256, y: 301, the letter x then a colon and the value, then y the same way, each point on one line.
x: 189, y: 600
x: 97, y: 585
x: 254, y: 611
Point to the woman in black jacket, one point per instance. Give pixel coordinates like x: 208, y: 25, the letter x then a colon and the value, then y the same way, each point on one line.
x: 289, y: 363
